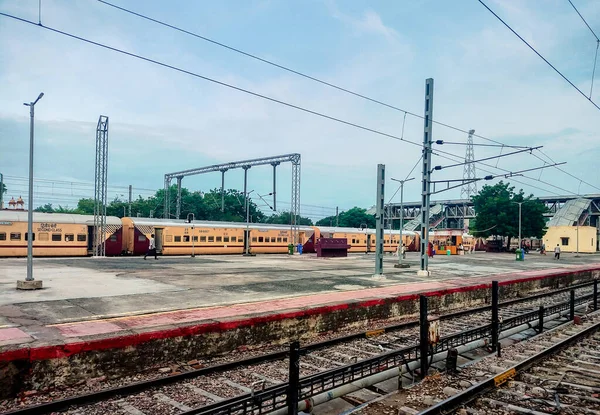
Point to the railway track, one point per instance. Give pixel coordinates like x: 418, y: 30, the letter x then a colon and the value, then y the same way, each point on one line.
x: 555, y: 373
x: 260, y: 384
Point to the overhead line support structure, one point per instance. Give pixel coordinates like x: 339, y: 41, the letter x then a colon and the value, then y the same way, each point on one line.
x: 293, y: 158
x: 100, y: 187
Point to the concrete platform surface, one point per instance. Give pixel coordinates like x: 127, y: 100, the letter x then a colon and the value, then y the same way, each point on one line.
x: 87, y: 299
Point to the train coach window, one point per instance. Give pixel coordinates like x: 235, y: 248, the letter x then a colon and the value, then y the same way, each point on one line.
x: 81, y: 237
x: 267, y: 239
x: 57, y: 237
x: 226, y: 239
x: 211, y: 239
x: 43, y: 236
x: 32, y: 236
x: 186, y: 238
x: 261, y: 239
x: 284, y: 239
x: 219, y: 239
x: 195, y: 239
x: 177, y: 238
x: 113, y: 237
x: 169, y: 238
x: 141, y: 238
x: 15, y: 236
x: 2, y: 236
x: 233, y: 239
x: 254, y: 239
x: 69, y: 237
x: 203, y: 239
x: 279, y: 239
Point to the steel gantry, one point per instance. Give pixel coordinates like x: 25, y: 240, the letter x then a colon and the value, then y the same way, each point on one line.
x: 100, y: 187
x: 274, y: 161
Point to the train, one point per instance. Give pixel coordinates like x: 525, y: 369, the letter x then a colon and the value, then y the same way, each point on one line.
x: 57, y: 234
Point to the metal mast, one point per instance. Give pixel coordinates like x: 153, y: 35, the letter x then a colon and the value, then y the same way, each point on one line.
x: 295, y: 208
x: 470, y: 187
x: 426, y: 187
x: 100, y: 186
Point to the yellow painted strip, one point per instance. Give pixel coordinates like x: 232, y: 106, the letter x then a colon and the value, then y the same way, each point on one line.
x: 504, y: 377
x: 373, y: 333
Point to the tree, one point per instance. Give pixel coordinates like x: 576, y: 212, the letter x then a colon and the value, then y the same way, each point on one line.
x: 496, y: 213
x: 352, y: 218
x: 284, y: 218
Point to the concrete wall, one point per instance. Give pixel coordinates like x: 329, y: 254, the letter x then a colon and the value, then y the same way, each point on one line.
x: 64, y: 365
x: 587, y: 238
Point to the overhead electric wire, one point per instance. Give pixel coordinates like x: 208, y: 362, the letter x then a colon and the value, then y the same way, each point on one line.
x: 564, y: 171
x: 586, y: 23
x: 321, y: 81
x: 159, y: 63
x: 206, y: 78
x: 540, y: 55
x: 288, y: 69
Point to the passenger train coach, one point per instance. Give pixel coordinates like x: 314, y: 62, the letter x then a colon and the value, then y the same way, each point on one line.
x: 72, y: 235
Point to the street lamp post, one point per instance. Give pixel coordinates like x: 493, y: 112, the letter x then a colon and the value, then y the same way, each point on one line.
x: 519, y: 203
x: 29, y: 279
x: 246, y: 239
x: 192, y: 234
x: 400, y: 264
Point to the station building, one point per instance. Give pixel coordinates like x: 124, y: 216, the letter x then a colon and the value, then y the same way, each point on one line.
x: 570, y: 228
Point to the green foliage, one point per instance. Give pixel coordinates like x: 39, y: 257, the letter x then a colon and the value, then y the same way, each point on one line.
x: 352, y: 218
x: 284, y: 218
x: 205, y: 206
x: 498, y: 214
x: 48, y: 208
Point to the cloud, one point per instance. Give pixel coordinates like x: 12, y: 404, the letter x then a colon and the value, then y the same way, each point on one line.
x: 370, y: 22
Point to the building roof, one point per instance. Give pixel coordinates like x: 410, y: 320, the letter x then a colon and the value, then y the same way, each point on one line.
x: 570, y: 213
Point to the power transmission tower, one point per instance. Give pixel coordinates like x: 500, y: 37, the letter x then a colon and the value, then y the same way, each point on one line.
x: 100, y: 187
x: 470, y: 187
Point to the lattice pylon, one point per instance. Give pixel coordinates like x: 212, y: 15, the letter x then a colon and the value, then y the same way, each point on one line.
x: 469, y: 189
x: 100, y: 187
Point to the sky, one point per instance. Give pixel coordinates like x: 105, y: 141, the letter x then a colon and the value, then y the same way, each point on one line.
x: 162, y: 120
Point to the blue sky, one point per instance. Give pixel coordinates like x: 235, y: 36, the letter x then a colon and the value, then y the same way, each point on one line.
x: 162, y: 121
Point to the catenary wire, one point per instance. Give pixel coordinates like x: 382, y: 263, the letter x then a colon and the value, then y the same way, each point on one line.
x: 206, y: 78
x: 223, y: 83
x: 286, y: 68
x: 296, y: 72
x: 586, y: 23
x: 540, y: 55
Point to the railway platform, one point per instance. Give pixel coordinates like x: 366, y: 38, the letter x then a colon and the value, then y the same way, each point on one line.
x: 106, y: 316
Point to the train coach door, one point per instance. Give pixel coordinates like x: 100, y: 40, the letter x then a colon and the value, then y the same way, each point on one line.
x: 90, y: 239
x: 158, y: 239
x: 368, y: 242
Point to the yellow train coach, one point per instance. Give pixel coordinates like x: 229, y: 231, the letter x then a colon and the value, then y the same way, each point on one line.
x: 55, y: 234
x: 178, y: 237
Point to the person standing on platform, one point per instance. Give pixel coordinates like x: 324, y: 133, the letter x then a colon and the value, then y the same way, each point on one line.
x: 403, y: 251
x: 151, y: 248
x: 557, y: 252
x: 543, y: 250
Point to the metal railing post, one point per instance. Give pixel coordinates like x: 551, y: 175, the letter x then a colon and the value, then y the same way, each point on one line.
x: 541, y: 319
x: 424, y: 335
x: 495, y: 318
x: 572, y: 306
x: 595, y: 295
x: 293, y: 378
